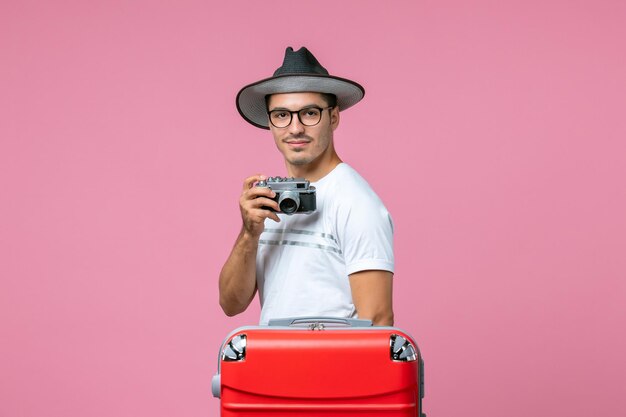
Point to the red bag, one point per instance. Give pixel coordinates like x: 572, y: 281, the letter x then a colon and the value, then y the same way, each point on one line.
x: 319, y: 367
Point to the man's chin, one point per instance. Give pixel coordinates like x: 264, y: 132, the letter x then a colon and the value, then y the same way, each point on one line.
x: 299, y: 159
x: 299, y: 162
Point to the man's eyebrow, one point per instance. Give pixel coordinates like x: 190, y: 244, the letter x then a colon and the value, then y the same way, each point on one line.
x: 308, y: 106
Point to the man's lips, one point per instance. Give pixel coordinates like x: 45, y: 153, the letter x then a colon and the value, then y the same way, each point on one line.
x: 297, y: 142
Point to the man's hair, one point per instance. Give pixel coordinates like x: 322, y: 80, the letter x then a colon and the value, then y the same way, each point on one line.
x: 330, y: 99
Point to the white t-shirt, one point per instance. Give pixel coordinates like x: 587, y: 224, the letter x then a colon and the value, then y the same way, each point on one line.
x: 303, y: 262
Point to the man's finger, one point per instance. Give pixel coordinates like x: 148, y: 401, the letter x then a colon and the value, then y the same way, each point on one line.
x: 263, y: 202
x: 249, y: 182
x: 274, y: 217
x: 259, y: 215
x: 256, y: 192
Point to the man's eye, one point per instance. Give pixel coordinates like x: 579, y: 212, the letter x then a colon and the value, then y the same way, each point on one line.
x: 279, y: 115
x: 312, y: 112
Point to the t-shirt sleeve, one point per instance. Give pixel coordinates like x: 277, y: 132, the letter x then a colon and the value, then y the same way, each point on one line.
x: 365, y: 232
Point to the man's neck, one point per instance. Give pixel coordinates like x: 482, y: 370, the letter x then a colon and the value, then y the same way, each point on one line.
x: 316, y: 170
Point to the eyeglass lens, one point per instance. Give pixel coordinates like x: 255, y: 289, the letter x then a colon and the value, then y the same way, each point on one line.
x: 309, y: 116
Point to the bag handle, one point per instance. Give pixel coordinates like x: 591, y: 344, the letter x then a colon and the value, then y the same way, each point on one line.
x: 304, y: 321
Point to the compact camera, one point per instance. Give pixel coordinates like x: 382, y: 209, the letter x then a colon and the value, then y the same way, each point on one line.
x: 294, y: 195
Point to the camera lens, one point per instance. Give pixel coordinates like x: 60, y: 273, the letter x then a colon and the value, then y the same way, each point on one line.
x: 289, y: 202
x: 288, y: 206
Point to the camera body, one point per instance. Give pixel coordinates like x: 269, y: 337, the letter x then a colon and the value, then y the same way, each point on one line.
x: 293, y: 195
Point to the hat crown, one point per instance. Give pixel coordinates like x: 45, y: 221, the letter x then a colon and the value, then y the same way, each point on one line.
x: 301, y: 61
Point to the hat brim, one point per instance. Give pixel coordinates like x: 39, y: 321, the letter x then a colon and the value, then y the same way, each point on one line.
x: 251, y: 98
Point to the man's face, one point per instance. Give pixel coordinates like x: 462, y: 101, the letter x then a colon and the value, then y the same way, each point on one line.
x: 300, y: 144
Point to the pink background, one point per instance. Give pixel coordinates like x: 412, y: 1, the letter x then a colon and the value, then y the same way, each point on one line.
x: 494, y: 132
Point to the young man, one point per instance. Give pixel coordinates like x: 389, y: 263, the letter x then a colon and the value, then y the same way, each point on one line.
x: 335, y: 262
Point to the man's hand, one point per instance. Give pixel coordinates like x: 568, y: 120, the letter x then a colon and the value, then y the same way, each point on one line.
x: 251, y: 204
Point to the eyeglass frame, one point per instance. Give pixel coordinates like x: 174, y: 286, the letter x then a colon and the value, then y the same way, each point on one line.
x: 321, y: 109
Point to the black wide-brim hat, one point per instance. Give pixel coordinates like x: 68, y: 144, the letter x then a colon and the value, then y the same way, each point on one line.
x: 300, y: 73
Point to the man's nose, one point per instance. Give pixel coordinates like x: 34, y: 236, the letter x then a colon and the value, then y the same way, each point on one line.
x: 296, y: 125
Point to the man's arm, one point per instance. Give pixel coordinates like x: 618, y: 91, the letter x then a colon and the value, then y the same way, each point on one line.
x: 238, y: 277
x: 372, y: 296
x: 237, y: 283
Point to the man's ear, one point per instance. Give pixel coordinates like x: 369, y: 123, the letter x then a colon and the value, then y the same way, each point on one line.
x: 334, y: 117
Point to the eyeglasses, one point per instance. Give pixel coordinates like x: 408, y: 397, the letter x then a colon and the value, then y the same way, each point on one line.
x: 308, y: 116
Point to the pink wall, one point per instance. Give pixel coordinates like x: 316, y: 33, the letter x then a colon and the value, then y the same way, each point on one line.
x: 494, y: 132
